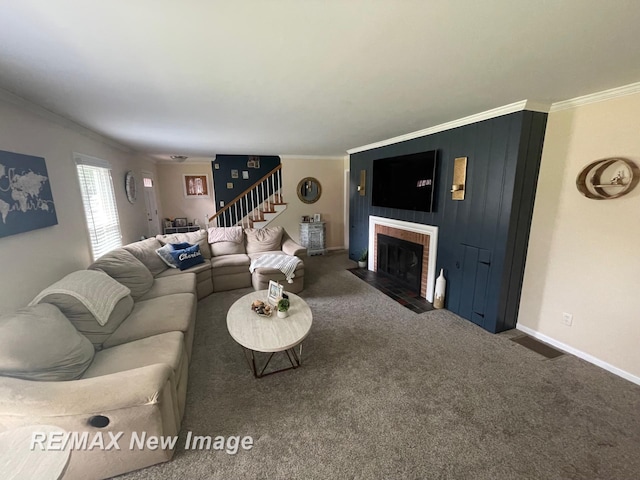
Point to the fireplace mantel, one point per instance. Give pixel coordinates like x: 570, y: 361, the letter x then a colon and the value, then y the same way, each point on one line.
x: 430, y: 230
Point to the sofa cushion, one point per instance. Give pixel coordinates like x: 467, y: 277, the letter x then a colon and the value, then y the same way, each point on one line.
x: 263, y: 239
x: 122, y: 266
x: 230, y: 261
x: 145, y: 251
x: 39, y: 343
x: 185, y: 283
x: 164, y: 348
x: 199, y: 237
x: 204, y: 267
x: 83, y: 319
x: 157, y: 315
x: 226, y: 240
x: 227, y: 248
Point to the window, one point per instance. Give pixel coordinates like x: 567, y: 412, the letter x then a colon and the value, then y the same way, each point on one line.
x: 99, y: 203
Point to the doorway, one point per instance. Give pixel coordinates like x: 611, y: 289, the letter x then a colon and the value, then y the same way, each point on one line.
x: 153, y: 222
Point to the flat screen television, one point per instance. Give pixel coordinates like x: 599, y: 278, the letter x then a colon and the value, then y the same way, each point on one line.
x: 405, y: 182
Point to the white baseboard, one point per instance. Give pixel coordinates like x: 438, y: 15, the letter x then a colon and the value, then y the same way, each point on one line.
x: 579, y: 353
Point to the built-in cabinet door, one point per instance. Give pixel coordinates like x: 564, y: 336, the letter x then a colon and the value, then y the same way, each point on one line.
x: 475, y: 274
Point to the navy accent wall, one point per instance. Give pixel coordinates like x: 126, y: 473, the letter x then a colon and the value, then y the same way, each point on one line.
x: 227, y: 163
x: 483, y: 239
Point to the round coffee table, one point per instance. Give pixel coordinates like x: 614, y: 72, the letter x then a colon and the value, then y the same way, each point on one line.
x: 269, y: 334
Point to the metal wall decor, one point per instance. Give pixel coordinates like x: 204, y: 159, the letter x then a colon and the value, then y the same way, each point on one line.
x: 608, y: 178
x: 459, y: 178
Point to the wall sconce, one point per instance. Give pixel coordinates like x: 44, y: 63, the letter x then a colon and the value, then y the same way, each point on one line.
x: 363, y: 178
x: 459, y: 178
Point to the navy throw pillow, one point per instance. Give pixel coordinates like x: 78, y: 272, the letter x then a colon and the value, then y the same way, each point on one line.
x: 187, y: 257
x: 180, y: 246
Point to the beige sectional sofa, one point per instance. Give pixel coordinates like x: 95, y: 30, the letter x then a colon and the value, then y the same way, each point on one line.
x: 130, y: 373
x: 226, y: 262
x: 120, y: 363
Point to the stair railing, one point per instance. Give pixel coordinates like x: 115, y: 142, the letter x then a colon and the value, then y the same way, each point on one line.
x: 249, y: 206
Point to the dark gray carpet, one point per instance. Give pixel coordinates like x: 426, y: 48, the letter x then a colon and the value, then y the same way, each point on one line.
x: 387, y: 393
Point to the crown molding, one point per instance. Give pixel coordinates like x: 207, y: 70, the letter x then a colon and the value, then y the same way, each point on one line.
x: 478, y: 117
x: 623, y: 91
x: 42, y: 112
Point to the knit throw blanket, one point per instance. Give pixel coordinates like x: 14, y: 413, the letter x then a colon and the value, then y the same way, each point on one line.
x: 95, y: 290
x: 285, y: 263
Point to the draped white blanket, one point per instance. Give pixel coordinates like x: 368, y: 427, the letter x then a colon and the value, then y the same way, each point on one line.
x: 95, y: 290
x: 285, y: 263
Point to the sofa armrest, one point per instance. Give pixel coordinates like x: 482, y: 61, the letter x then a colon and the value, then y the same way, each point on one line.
x: 292, y: 248
x: 130, y: 388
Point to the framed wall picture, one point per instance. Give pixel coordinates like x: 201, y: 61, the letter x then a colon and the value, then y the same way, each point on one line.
x: 196, y: 185
x: 234, y: 173
x: 274, y: 293
x: 245, y: 175
x: 230, y: 185
x: 26, y: 201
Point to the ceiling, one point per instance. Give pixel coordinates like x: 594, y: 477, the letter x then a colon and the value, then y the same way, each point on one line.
x: 313, y: 77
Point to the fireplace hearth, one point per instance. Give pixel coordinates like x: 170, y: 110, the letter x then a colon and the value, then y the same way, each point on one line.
x: 401, y: 260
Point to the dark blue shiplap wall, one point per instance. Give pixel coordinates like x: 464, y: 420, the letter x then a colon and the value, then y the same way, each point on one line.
x: 483, y: 239
x: 227, y: 163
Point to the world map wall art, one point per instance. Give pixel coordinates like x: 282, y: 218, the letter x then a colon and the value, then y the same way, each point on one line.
x: 26, y: 202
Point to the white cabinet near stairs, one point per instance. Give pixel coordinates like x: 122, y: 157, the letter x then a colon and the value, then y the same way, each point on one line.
x: 312, y: 236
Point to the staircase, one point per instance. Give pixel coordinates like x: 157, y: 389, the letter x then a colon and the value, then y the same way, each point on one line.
x: 256, y: 207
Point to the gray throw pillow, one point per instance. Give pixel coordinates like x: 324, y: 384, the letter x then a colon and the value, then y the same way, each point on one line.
x: 39, y: 343
x: 126, y: 269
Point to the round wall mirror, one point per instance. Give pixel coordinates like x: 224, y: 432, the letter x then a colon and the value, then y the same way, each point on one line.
x: 309, y: 190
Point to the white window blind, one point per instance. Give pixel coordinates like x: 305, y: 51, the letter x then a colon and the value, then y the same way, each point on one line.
x: 99, y: 202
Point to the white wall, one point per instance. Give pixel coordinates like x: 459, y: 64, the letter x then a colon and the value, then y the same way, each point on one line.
x: 31, y: 261
x: 584, y: 255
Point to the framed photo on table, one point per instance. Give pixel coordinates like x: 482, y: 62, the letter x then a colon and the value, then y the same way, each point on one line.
x: 180, y: 222
x: 274, y: 293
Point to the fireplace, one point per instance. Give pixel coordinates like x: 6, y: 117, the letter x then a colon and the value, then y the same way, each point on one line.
x: 425, y: 236
x: 401, y: 260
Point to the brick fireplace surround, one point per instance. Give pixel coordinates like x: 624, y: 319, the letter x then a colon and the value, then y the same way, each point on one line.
x: 425, y: 235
